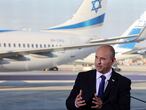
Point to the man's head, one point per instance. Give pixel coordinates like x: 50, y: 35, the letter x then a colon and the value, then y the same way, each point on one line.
x: 104, y: 58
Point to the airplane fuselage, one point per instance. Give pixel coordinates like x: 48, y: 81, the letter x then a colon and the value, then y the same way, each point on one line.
x: 24, y: 41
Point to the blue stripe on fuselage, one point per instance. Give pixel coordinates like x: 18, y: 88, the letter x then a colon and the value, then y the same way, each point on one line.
x: 93, y: 21
x: 131, y: 45
x: 6, y: 30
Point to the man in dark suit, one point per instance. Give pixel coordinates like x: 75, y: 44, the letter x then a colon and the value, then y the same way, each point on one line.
x: 100, y: 89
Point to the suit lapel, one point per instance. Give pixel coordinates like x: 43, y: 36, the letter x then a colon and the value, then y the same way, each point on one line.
x: 93, y: 81
x: 90, y: 86
x: 111, y: 83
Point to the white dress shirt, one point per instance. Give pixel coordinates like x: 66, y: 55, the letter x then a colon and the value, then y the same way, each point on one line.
x: 98, y: 79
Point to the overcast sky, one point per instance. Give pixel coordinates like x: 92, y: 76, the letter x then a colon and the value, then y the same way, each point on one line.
x: 35, y: 13
x: 41, y: 14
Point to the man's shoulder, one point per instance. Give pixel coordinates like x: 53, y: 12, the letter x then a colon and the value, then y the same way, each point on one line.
x: 122, y: 78
x: 86, y: 75
x: 87, y: 72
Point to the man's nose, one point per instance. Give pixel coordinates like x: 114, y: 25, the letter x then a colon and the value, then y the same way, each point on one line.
x: 98, y: 61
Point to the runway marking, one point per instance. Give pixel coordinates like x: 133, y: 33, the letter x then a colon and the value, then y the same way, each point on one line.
x: 138, y: 86
x: 58, y: 88
x: 50, y: 81
x: 37, y: 88
x: 41, y: 81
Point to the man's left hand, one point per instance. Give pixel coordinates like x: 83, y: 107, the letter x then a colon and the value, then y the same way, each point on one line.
x: 97, y: 102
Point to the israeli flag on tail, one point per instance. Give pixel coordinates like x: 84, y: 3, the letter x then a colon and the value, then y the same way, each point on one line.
x: 90, y: 13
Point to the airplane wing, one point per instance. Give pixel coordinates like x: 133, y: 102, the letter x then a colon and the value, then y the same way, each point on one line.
x: 114, y: 38
x: 139, y: 35
x: 136, y: 51
x: 18, y: 53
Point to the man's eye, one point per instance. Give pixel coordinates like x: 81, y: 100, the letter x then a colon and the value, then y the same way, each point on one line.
x: 103, y: 59
x: 96, y: 57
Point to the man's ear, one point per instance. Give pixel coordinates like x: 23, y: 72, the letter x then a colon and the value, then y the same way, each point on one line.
x: 113, y: 60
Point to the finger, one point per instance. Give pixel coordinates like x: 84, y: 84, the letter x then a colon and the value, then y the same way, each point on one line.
x: 96, y: 98
x: 78, y: 96
x: 96, y: 106
x: 78, y: 99
x: 81, y: 92
x: 95, y: 95
x: 80, y: 103
x: 97, y: 102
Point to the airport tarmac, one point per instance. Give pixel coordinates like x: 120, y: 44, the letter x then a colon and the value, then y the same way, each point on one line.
x: 39, y: 90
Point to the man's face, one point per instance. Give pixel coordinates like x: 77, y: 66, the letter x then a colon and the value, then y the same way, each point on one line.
x: 103, y: 60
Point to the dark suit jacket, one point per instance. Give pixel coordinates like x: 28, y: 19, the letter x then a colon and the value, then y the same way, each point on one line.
x: 116, y: 95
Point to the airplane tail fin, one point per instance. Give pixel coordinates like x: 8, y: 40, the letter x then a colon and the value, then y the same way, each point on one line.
x: 138, y: 29
x: 90, y: 13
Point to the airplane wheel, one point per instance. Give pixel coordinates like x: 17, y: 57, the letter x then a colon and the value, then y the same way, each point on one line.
x: 54, y: 69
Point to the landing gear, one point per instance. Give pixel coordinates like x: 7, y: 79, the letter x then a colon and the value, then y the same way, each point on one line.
x: 53, y: 69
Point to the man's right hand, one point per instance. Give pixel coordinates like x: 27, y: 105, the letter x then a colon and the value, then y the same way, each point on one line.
x: 79, y: 102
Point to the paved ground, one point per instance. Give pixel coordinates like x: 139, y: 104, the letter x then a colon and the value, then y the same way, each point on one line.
x: 51, y: 93
x: 48, y: 100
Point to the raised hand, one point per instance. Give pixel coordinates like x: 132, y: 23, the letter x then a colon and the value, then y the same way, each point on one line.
x: 97, y: 102
x: 79, y: 102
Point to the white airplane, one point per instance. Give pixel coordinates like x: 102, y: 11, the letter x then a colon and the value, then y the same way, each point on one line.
x: 134, y: 49
x: 123, y: 50
x: 21, y: 51
x: 138, y: 27
x: 140, y: 48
